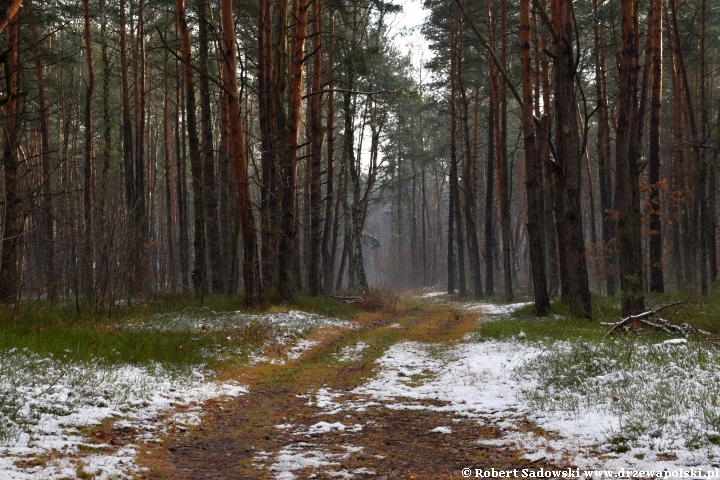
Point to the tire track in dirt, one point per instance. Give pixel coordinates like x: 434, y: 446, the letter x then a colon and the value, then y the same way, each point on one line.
x: 288, y: 427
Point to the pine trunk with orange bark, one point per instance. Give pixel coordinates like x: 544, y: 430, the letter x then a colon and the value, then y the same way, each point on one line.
x: 288, y: 170
x: 251, y: 264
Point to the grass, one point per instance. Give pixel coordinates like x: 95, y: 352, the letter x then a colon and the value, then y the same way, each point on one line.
x: 145, y: 333
x: 702, y: 312
x: 663, y: 397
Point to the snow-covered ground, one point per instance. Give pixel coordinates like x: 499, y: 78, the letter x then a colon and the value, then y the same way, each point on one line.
x: 491, y: 309
x: 498, y: 382
x: 46, y: 404
x: 607, y: 405
x: 55, y: 414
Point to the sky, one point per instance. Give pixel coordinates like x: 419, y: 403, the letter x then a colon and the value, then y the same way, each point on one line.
x: 408, y: 24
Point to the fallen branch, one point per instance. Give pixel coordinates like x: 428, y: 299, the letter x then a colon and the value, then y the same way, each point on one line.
x: 639, y: 318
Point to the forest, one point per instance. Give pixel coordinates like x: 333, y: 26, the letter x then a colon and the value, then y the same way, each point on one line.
x: 548, y: 148
x: 358, y: 238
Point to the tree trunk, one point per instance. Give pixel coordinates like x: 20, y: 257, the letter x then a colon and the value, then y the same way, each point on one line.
x: 328, y: 256
x: 603, y: 154
x: 676, y: 195
x: 208, y: 154
x: 169, y: 205
x: 503, y: 173
x: 655, y: 226
x: 251, y: 264
x: 88, y: 260
x: 470, y: 229
x: 140, y: 210
x: 286, y: 285
x: 533, y: 172
x: 455, y: 211
x: 11, y: 232
x: 315, y: 159
x: 180, y: 179
x: 491, y: 162
x: 199, y: 273
x: 270, y: 72
x: 697, y: 194
x: 131, y: 195
x: 626, y: 161
x: 567, y: 147
x: 702, y: 183
x: 46, y: 199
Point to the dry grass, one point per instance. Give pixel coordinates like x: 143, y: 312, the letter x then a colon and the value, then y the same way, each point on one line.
x: 377, y: 299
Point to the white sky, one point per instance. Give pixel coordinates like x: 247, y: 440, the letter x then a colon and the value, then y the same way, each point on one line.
x: 408, y: 24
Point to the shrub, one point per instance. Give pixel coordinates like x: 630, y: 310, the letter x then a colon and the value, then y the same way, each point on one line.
x: 380, y: 298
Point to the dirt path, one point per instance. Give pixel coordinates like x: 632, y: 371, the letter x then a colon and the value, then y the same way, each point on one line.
x: 302, y: 420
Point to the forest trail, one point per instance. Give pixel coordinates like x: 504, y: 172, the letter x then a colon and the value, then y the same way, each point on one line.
x: 303, y: 419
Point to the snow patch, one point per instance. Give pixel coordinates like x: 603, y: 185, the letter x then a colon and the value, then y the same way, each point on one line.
x: 325, y: 427
x: 443, y: 430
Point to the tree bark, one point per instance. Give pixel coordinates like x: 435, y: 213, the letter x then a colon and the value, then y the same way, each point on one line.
x: 328, y: 256
x: 533, y: 172
x: 657, y: 283
x: 11, y: 232
x: 567, y: 147
x: 199, y: 273
x: 251, y: 264
x: 211, y: 212
x: 315, y: 159
x: 470, y: 229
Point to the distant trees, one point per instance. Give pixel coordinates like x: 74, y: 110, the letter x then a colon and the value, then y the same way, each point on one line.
x: 304, y: 154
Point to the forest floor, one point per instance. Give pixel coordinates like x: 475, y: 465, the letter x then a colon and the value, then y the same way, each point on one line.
x: 423, y: 389
x: 312, y: 419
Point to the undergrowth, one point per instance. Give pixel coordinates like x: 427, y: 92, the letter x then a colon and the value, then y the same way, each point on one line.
x: 661, y: 390
x: 663, y: 396
x: 169, y: 331
x: 701, y: 312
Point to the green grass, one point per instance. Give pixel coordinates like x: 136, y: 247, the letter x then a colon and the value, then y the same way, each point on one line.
x: 325, y: 306
x: 135, y: 334
x: 702, y: 312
